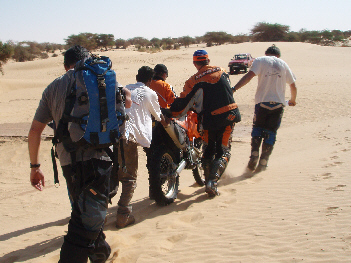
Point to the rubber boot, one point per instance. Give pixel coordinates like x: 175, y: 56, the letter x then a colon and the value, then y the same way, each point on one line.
x: 266, y: 152
x: 206, y: 166
x: 101, y: 251
x: 71, y: 253
x: 217, y: 168
x: 255, y: 147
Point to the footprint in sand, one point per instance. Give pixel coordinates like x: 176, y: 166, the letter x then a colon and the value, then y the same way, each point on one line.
x: 191, y: 218
x: 332, y: 164
x: 332, y: 211
x: 170, y: 242
x: 337, y: 188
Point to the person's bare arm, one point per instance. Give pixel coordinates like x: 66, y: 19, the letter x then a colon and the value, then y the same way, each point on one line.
x: 34, y: 139
x: 293, y: 90
x: 244, y: 80
x: 128, y: 102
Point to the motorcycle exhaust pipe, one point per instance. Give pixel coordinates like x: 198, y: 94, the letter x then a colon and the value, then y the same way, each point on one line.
x: 180, y: 167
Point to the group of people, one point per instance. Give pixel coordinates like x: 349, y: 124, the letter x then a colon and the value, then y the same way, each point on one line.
x: 208, y: 93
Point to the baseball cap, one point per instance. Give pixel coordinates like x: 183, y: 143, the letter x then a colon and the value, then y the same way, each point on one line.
x: 200, y: 55
x: 273, y: 50
x: 160, y: 68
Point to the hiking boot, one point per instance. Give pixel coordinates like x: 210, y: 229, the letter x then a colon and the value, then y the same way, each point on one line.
x: 252, y: 162
x: 124, y: 220
x: 211, y: 188
x: 260, y: 168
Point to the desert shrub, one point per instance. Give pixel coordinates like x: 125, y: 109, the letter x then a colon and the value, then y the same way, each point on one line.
x: 22, y: 54
x: 43, y: 55
x: 6, y: 51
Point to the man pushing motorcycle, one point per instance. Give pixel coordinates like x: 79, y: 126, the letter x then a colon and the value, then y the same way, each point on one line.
x: 209, y: 94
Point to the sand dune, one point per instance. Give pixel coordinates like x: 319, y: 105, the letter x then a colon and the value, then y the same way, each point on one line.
x: 298, y: 210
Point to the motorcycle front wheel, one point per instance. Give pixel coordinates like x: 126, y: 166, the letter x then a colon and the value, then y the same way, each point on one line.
x: 199, y: 176
x: 198, y: 171
x: 163, y: 182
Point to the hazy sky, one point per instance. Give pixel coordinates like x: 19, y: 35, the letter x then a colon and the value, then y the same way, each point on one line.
x: 54, y: 20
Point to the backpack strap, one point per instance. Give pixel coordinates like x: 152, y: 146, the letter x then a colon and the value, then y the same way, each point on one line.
x: 124, y: 168
x: 62, y: 134
x: 54, y: 166
x: 103, y: 102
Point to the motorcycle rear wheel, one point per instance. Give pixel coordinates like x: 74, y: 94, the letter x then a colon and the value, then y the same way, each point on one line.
x: 163, y: 183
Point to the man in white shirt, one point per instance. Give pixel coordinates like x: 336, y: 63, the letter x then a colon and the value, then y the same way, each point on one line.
x: 273, y: 75
x: 138, y: 132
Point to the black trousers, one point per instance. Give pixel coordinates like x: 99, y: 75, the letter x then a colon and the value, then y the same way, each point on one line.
x: 88, y: 184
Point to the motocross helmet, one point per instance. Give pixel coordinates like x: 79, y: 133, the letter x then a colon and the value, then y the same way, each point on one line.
x: 273, y: 50
x: 200, y: 55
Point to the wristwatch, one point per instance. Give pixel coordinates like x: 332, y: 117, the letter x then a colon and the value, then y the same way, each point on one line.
x: 36, y: 165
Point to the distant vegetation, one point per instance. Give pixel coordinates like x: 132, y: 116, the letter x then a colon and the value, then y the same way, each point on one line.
x: 261, y: 32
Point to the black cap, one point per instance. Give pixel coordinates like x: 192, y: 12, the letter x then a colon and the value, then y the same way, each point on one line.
x: 160, y: 68
x: 273, y: 50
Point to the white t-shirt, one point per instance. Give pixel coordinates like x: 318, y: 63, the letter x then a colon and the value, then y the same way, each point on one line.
x: 273, y: 75
x: 144, y: 105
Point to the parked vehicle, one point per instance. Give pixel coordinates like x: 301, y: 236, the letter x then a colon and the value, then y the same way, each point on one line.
x: 173, y: 148
x: 240, y: 62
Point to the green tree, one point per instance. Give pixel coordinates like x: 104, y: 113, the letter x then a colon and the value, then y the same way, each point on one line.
x: 105, y: 40
x: 217, y: 38
x: 167, y: 43
x: 263, y: 32
x: 139, y: 41
x: 6, y: 51
x: 338, y: 35
x: 155, y: 42
x: 186, y: 41
x: 87, y: 40
x: 241, y: 38
x: 121, y: 43
x: 293, y: 37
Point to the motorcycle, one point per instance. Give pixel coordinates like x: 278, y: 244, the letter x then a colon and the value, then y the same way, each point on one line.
x: 173, y: 149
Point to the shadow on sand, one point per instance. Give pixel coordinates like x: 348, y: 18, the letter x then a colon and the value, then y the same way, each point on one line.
x: 143, y: 209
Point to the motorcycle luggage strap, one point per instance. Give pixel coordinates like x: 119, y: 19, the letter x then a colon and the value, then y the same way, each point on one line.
x: 224, y: 109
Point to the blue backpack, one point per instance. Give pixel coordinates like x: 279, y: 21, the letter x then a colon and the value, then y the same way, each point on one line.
x: 94, y: 113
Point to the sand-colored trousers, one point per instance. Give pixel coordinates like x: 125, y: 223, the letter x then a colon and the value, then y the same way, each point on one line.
x: 128, y: 178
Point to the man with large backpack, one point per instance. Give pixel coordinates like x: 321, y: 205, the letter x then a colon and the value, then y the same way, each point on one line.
x: 86, y: 168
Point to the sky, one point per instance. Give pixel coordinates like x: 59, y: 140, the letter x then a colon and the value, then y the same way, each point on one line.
x: 55, y: 20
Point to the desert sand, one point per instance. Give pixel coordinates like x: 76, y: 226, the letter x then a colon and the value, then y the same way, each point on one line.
x: 298, y: 210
